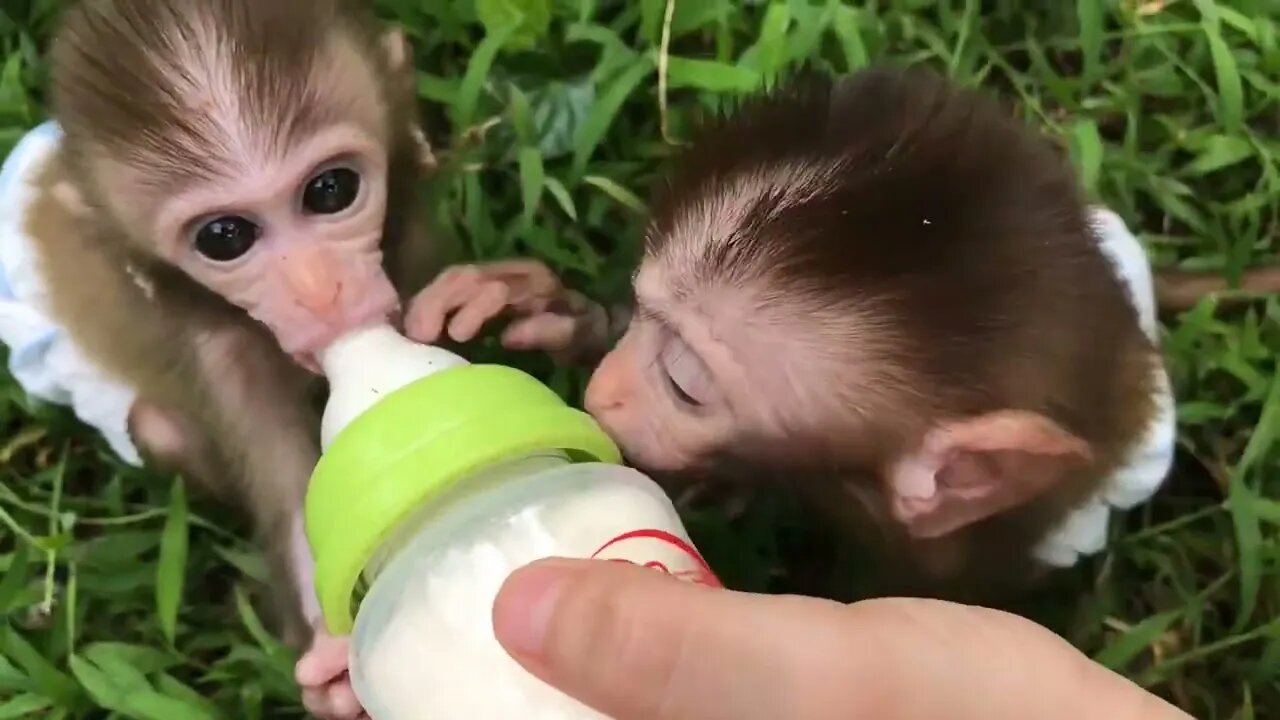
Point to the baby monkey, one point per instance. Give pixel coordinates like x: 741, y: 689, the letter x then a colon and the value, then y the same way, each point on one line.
x: 890, y: 295
x: 225, y: 187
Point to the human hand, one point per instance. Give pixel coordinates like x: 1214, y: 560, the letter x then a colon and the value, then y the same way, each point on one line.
x: 637, y: 645
x: 326, y: 685
x: 549, y: 317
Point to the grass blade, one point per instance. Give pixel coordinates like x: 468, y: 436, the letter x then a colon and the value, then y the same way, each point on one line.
x: 533, y: 180
x: 172, y: 568
x: 1089, y: 13
x: 1230, y: 86
x: 617, y: 192
x: 1086, y: 151
x: 464, y: 108
x: 1128, y: 646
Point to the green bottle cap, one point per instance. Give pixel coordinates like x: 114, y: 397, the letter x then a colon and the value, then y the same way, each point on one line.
x: 417, y: 442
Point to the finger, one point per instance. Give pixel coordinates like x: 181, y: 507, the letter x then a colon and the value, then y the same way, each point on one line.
x: 547, y: 332
x: 637, y: 645
x: 534, y: 275
x: 326, y: 660
x: 342, y: 701
x: 426, y: 318
x: 316, y: 702
x: 490, y: 301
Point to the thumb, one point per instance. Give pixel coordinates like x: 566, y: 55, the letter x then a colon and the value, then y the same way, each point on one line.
x: 636, y: 644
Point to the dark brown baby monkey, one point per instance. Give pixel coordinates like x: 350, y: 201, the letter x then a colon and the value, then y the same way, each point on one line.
x: 234, y: 187
x: 890, y: 295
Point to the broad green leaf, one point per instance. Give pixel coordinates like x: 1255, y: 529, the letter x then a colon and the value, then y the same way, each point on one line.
x: 172, y: 569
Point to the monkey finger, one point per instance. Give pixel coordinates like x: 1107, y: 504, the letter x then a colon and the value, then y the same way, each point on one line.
x: 343, y: 703
x: 533, y: 274
x: 326, y: 660
x: 427, y: 311
x: 490, y: 301
x: 547, y: 332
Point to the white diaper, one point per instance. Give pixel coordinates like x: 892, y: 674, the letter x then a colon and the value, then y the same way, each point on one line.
x: 42, y: 356
x: 1084, y: 532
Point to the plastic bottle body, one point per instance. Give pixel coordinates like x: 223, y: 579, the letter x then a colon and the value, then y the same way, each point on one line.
x: 423, y: 643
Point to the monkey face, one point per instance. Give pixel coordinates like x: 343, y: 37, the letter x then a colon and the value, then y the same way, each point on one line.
x: 253, y: 154
x: 295, y: 242
x: 673, y: 393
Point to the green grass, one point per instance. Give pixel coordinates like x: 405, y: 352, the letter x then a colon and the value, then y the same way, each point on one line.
x: 121, y: 593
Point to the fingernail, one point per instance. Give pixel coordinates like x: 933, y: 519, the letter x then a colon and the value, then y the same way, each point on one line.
x: 527, y: 602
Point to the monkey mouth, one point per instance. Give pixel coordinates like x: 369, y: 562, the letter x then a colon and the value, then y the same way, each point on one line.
x: 309, y: 361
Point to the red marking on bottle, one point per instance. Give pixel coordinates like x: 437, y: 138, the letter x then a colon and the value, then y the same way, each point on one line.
x: 704, y: 575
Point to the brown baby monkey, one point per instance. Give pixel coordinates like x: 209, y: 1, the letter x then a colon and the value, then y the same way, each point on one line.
x: 888, y: 294
x: 232, y: 186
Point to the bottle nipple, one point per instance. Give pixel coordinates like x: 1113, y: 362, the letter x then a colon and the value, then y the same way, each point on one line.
x: 368, y: 364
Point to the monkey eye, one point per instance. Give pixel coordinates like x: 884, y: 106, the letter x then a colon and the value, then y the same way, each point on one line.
x: 685, y: 374
x: 226, y: 238
x: 331, y: 192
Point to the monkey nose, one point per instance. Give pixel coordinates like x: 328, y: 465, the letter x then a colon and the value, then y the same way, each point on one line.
x: 313, y: 280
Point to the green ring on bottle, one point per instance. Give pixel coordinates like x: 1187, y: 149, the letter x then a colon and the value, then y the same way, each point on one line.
x: 414, y: 444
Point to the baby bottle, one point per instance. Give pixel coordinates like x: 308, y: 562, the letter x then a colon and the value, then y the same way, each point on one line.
x: 438, y: 479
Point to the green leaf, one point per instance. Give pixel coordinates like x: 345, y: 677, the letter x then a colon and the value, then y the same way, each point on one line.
x: 711, y: 75
x: 1089, y: 13
x: 602, y: 115
x: 530, y: 18
x: 617, y: 192
x: 1086, y: 151
x: 15, y: 578
x: 1244, y: 516
x: 533, y: 179
x: 464, y: 108
x: 1220, y: 151
x: 24, y: 706
x: 50, y: 682
x: 563, y: 199
x: 1128, y: 646
x: 846, y: 29
x: 1230, y: 87
x: 172, y: 568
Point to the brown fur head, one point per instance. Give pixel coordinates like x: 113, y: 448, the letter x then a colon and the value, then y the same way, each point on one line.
x: 886, y: 282
x: 178, y: 110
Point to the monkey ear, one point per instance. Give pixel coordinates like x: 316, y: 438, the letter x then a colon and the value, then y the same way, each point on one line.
x: 968, y: 470
x: 398, y: 49
x: 70, y: 197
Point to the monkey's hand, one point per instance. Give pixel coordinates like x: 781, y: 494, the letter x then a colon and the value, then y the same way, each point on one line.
x: 326, y: 684
x: 547, y: 316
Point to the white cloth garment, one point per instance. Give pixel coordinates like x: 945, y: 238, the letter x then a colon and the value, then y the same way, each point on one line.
x: 42, y: 356
x: 1084, y: 531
